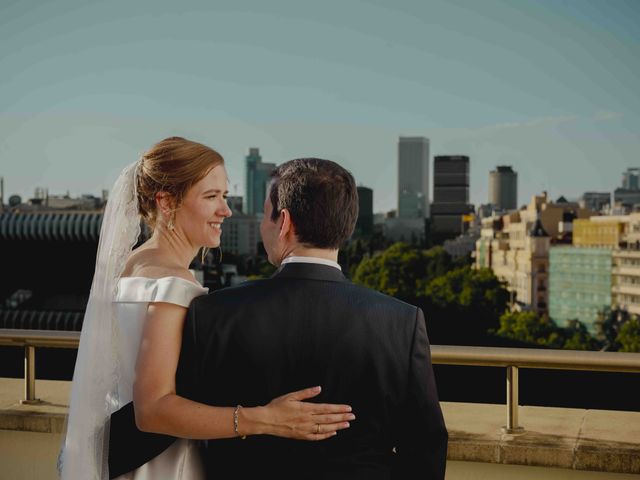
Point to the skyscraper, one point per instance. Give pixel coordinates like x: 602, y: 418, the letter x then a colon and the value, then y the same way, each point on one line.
x: 596, y: 201
x: 631, y: 179
x: 235, y: 203
x: 413, y: 177
x: 257, y: 178
x: 503, y: 188
x: 450, y: 196
x: 364, y: 224
x: 629, y: 194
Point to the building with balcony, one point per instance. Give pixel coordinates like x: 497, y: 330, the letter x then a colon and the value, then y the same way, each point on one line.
x: 516, y: 247
x: 525, y: 265
x: 626, y: 281
x: 490, y: 230
x: 625, y: 288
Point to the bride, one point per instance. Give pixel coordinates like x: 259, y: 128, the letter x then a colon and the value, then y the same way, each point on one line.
x: 132, y: 331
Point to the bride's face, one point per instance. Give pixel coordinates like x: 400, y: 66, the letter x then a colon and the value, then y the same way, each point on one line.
x: 204, y: 208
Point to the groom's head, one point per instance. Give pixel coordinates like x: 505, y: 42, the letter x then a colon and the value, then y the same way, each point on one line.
x: 310, y: 203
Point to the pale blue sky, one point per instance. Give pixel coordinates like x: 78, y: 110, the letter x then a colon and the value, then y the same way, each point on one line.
x: 549, y: 87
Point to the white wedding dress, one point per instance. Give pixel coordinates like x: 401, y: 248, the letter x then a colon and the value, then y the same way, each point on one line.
x: 182, y: 460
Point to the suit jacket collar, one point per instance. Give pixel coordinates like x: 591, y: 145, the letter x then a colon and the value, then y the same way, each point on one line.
x: 311, y: 271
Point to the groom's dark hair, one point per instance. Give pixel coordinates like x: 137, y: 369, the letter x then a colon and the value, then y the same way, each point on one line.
x: 321, y: 197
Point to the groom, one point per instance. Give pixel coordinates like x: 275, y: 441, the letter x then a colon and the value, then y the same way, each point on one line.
x: 308, y: 325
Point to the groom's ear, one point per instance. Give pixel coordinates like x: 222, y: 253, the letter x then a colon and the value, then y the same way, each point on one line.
x: 286, y: 226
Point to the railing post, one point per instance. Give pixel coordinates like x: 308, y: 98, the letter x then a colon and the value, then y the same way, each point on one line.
x: 29, y: 375
x: 512, y: 426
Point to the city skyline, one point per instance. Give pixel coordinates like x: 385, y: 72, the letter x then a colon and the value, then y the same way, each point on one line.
x: 39, y: 192
x: 547, y: 88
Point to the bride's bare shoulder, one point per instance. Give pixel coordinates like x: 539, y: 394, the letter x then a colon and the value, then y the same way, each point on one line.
x: 148, y: 263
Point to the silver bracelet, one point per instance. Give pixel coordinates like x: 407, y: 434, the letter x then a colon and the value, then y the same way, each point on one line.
x: 235, y: 421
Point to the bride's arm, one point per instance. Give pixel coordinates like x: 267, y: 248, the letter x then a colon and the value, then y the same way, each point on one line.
x: 158, y: 409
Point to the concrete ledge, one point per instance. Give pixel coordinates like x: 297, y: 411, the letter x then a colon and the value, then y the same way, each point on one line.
x: 573, y: 439
x: 609, y: 441
x: 45, y: 417
x: 593, y: 440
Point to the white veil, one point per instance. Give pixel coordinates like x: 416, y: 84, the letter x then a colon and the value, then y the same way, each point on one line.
x: 94, y: 392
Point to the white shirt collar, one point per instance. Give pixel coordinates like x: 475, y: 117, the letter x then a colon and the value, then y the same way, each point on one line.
x: 321, y: 261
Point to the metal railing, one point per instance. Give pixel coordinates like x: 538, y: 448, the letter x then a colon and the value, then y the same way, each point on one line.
x: 30, y: 340
x: 510, y: 358
x: 514, y: 358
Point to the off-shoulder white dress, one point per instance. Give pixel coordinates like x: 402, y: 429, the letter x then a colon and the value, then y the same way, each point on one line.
x: 181, y: 460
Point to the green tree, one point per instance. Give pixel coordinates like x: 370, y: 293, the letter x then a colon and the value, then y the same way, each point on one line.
x: 629, y: 336
x: 464, y: 261
x: 356, y: 249
x: 529, y: 327
x: 464, y: 305
x: 578, y: 338
x: 350, y: 256
x: 608, y: 325
x: 461, y: 303
x: 468, y: 287
x: 401, y: 270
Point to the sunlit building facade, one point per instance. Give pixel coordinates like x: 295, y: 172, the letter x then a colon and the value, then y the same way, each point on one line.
x: 516, y: 247
x: 605, y: 231
x: 579, y: 284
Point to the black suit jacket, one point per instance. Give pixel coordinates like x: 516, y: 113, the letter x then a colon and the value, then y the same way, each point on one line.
x: 308, y: 325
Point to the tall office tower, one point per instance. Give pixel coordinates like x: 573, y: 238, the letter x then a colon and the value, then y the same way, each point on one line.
x: 450, y: 196
x: 235, y: 203
x: 503, y: 188
x: 631, y: 179
x: 596, y: 201
x: 413, y: 177
x: 628, y: 197
x: 257, y: 178
x: 364, y: 224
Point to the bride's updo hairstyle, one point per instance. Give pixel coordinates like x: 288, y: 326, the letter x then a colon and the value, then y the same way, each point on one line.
x: 172, y: 165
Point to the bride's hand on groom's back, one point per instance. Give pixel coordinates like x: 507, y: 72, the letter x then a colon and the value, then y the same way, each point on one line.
x: 290, y: 416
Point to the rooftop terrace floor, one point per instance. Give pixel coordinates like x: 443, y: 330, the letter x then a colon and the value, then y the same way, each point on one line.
x: 575, y: 442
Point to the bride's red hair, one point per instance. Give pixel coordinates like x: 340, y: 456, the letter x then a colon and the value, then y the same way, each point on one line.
x: 172, y: 165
